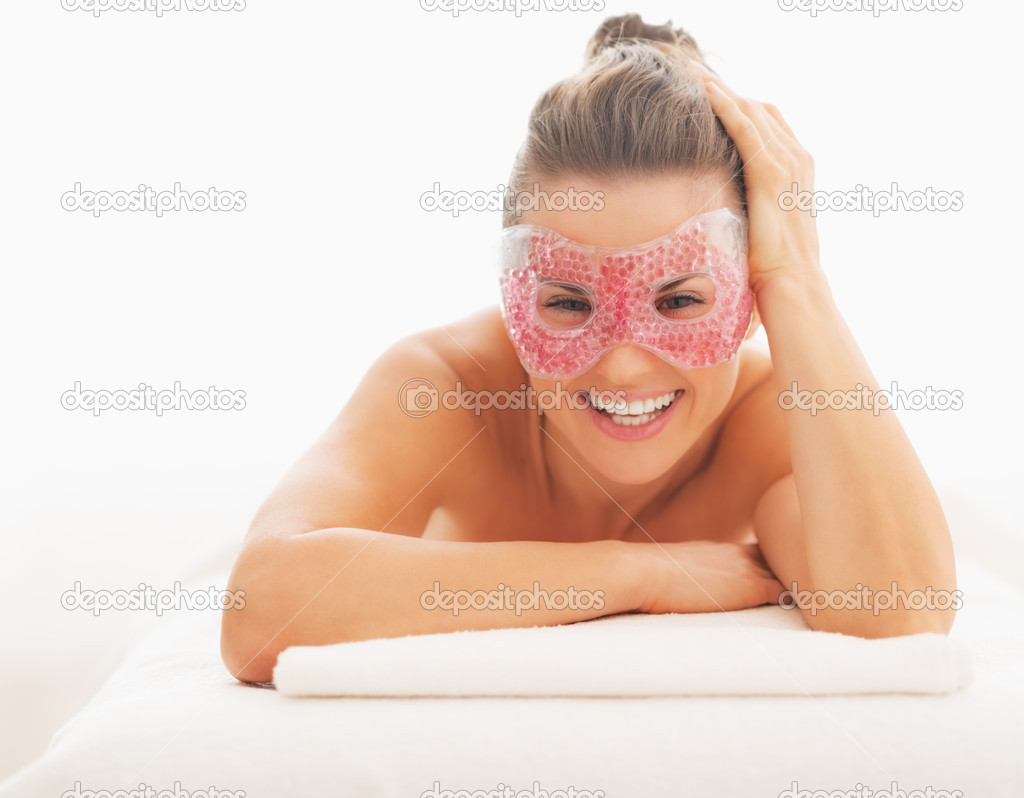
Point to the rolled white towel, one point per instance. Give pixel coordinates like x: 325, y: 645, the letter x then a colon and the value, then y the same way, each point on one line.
x: 762, y: 651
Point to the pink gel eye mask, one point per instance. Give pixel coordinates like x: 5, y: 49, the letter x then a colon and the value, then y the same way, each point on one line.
x: 685, y: 296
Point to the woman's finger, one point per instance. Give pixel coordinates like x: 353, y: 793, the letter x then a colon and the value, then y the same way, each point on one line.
x: 776, y: 114
x: 771, y: 128
x: 740, y: 127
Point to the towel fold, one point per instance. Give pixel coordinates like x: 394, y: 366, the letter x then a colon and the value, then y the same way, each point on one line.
x: 761, y: 651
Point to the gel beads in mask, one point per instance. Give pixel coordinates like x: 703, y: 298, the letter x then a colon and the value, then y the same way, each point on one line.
x: 566, y: 304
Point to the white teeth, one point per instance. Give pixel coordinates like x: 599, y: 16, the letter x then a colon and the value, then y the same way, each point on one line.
x: 637, y: 409
x: 632, y: 421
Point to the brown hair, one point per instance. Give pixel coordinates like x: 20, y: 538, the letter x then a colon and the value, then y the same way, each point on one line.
x: 636, y: 109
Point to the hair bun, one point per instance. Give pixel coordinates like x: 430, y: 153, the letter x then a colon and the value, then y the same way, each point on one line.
x: 631, y: 28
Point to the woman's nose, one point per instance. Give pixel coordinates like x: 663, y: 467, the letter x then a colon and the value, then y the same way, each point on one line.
x: 624, y: 362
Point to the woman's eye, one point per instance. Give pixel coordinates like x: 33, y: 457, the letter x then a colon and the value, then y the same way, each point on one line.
x: 564, y: 311
x: 680, y: 301
x: 567, y: 304
x: 686, y: 305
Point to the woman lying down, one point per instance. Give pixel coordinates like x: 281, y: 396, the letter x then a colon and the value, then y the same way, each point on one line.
x: 608, y: 440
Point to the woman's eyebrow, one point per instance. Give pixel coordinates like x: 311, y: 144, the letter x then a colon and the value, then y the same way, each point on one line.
x: 674, y: 283
x: 574, y: 289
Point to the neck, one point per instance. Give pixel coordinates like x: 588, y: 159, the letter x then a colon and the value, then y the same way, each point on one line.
x: 610, y: 509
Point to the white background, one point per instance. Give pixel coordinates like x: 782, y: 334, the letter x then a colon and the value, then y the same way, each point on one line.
x: 333, y: 119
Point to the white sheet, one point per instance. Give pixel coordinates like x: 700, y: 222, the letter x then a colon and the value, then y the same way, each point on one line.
x: 171, y: 714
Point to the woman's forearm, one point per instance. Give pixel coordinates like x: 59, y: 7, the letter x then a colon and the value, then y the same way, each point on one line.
x: 870, y: 514
x: 346, y: 584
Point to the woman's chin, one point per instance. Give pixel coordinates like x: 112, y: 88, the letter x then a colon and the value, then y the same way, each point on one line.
x: 626, y: 462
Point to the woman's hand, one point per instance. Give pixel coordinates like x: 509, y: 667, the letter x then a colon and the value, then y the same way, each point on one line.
x: 707, y: 576
x: 781, y: 242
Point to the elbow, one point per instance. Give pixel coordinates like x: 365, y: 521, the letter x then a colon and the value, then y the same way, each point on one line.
x: 912, y: 605
x: 251, y: 632
x: 921, y: 598
x: 280, y: 608
x: 244, y: 655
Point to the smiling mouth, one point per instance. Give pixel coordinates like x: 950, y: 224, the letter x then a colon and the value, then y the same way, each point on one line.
x: 633, y: 414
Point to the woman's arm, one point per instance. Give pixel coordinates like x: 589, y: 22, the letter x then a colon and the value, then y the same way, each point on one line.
x: 341, y: 585
x: 858, y: 509
x: 335, y: 553
x: 869, y: 513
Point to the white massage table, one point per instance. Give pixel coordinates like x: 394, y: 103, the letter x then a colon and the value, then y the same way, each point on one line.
x: 172, y: 714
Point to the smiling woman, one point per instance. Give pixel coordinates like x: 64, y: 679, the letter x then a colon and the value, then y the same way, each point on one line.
x: 646, y: 457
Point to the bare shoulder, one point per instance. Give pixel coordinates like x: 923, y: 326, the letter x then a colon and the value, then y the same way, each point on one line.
x: 391, y: 456
x: 474, y: 346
